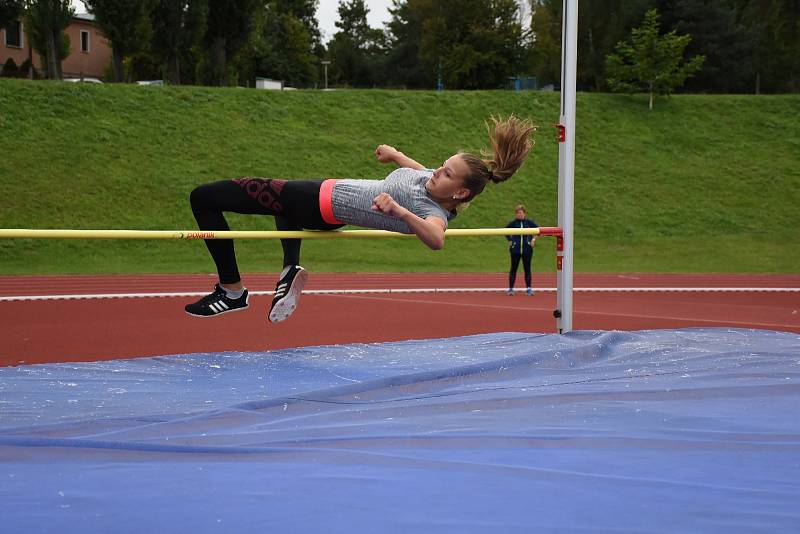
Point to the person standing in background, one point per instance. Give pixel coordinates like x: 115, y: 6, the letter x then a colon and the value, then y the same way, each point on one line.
x: 521, y: 248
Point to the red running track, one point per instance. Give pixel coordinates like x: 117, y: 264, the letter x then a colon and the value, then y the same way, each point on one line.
x: 86, y: 329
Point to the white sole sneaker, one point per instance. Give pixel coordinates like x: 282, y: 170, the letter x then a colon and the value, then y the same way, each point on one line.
x: 285, y: 307
x: 217, y: 303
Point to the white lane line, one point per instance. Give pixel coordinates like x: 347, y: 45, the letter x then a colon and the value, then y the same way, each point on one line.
x: 92, y: 296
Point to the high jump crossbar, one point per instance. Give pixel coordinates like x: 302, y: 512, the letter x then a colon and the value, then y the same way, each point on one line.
x: 22, y: 233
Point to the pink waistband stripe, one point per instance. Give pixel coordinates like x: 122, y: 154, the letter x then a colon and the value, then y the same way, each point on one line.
x: 326, y: 202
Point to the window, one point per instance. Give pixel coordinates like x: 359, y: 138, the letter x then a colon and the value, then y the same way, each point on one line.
x: 14, y: 34
x: 84, y: 41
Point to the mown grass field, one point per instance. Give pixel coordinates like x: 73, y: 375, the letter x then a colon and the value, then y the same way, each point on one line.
x: 704, y: 183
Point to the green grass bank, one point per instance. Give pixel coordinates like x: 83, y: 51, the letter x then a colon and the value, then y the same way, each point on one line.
x: 704, y: 183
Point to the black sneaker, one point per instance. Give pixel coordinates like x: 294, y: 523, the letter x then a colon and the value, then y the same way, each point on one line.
x: 287, y: 293
x: 217, y: 303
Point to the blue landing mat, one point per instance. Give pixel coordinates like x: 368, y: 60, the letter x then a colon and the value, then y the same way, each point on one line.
x: 692, y: 430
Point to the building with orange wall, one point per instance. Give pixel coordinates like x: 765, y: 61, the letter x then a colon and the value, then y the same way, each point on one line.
x: 90, y: 52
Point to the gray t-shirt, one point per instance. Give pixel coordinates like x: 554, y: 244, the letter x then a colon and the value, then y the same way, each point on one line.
x: 352, y: 200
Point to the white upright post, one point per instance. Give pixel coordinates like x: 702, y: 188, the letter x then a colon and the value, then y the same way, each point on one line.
x: 566, y: 164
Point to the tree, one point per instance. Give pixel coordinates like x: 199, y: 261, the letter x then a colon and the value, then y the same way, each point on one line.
x: 229, y: 26
x: 178, y: 26
x: 728, y: 44
x: 405, y: 33
x: 10, y: 10
x: 777, y: 26
x: 306, y: 12
x: 356, y: 50
x: 477, y: 43
x: 601, y: 24
x: 287, y: 43
x: 46, y: 21
x: 651, y: 61
x: 126, y: 24
x: 353, y: 21
x: 543, y: 48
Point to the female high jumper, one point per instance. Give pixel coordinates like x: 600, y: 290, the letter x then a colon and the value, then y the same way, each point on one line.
x: 412, y: 200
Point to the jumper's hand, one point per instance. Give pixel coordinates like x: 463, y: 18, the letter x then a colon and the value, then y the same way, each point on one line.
x: 384, y: 203
x: 386, y: 153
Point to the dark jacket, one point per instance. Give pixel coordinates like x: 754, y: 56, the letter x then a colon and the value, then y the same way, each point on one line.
x: 521, y: 244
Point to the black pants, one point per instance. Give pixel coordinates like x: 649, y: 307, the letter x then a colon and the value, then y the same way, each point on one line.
x: 294, y: 204
x: 526, y: 258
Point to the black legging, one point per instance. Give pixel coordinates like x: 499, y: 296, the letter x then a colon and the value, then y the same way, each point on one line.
x: 294, y: 204
x: 526, y: 258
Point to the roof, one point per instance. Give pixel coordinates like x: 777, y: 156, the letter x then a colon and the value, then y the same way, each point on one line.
x: 84, y: 16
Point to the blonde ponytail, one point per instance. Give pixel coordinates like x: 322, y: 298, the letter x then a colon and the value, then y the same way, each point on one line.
x: 511, y: 142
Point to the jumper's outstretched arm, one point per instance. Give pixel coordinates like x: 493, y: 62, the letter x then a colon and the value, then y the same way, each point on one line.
x: 387, y: 154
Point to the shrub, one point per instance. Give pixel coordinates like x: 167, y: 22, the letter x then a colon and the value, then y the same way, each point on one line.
x: 23, y: 70
x: 10, y: 69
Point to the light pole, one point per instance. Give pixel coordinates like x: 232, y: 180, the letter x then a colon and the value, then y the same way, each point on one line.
x: 325, y: 65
